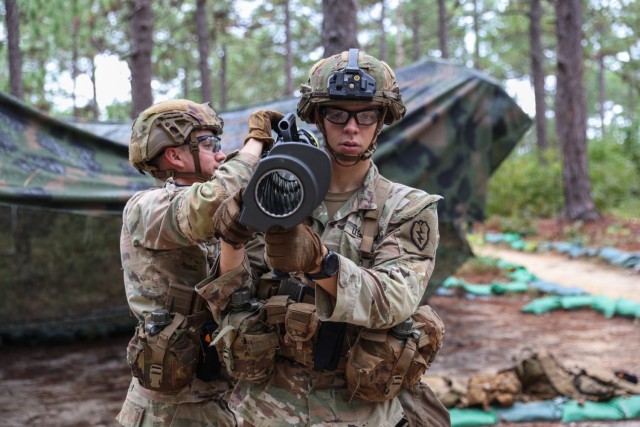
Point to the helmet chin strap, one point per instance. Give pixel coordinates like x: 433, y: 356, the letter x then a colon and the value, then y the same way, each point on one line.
x: 194, y: 148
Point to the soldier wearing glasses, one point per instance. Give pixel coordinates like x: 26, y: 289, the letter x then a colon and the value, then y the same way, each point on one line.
x: 168, y: 246
x: 341, y: 351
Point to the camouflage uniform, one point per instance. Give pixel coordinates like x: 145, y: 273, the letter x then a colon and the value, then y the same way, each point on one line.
x: 377, y: 297
x: 167, y: 238
x: 385, y: 237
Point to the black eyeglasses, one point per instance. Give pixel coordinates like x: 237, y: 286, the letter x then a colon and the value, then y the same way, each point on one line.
x: 209, y: 143
x: 341, y: 117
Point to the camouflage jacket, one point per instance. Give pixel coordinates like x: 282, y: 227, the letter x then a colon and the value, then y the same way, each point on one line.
x: 403, y: 255
x: 167, y: 237
x: 167, y: 234
x: 380, y: 296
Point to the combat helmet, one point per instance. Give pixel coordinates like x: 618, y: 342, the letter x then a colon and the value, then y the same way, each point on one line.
x: 355, y: 78
x: 351, y: 78
x: 170, y: 123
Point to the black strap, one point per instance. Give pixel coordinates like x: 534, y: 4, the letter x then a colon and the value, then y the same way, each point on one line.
x: 326, y: 355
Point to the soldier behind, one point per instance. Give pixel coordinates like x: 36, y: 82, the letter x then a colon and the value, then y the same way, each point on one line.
x: 167, y: 246
x: 342, y: 341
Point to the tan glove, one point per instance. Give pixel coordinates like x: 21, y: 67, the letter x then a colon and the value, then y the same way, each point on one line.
x: 296, y: 249
x: 226, y: 225
x: 260, y: 124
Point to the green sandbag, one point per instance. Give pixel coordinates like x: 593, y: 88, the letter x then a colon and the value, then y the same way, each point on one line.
x: 630, y: 406
x: 542, y: 305
x: 625, y: 307
x: 477, y: 289
x: 451, y: 282
x: 470, y: 417
x: 511, y: 237
x: 506, y: 265
x: 499, y: 288
x: 605, y: 305
x: 576, y: 301
x: 521, y: 275
x: 573, y: 411
x: 518, y: 245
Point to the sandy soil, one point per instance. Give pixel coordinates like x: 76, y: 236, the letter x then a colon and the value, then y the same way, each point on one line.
x: 83, y: 384
x: 593, y: 276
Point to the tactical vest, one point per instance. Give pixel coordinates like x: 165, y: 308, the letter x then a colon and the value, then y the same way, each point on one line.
x: 375, y: 363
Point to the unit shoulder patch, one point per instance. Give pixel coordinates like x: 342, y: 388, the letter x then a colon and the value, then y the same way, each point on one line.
x: 419, y: 235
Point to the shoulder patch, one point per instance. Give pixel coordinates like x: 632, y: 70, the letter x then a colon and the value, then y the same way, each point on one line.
x: 419, y: 235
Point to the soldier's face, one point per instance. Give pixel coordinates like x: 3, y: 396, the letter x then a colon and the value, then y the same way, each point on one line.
x: 210, y: 160
x: 350, y: 138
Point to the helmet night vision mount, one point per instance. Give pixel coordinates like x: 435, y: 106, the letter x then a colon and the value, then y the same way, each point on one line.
x: 351, y: 82
x: 290, y: 181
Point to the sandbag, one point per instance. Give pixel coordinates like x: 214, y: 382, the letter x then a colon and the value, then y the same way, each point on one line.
x: 542, y: 305
x: 521, y: 412
x: 472, y: 417
x: 576, y: 411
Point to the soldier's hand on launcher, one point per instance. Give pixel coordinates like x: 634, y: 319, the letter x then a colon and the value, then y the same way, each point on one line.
x: 261, y: 123
x: 298, y: 249
x: 225, y: 222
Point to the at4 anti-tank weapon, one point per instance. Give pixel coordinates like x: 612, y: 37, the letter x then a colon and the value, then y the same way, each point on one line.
x: 290, y: 181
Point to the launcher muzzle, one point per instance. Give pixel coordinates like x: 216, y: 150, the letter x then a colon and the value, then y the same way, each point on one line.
x: 290, y: 181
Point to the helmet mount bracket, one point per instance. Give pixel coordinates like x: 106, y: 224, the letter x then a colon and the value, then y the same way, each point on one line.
x: 351, y: 82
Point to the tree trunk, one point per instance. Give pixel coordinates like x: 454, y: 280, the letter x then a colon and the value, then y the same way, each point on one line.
x: 476, y: 31
x: 223, y: 76
x: 442, y: 28
x: 383, y: 37
x: 415, y: 36
x: 95, y: 109
x: 202, y: 31
x: 537, y: 73
x: 339, y: 27
x: 601, y: 91
x: 571, y: 123
x: 75, y: 29
x: 141, y: 36
x: 12, y: 18
x: 399, y: 49
x: 288, y: 48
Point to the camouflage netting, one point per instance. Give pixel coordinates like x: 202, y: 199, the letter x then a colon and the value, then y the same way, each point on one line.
x: 62, y: 188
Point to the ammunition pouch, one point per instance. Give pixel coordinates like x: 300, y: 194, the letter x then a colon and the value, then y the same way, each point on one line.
x: 166, y: 349
x: 167, y: 360
x: 247, y: 344
x: 431, y: 328
x: 380, y: 364
x: 384, y: 361
x: 300, y: 327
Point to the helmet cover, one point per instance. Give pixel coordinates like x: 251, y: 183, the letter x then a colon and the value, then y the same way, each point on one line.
x: 351, y: 78
x: 168, y: 124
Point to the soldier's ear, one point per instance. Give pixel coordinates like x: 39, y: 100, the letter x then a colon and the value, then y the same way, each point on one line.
x: 173, y: 157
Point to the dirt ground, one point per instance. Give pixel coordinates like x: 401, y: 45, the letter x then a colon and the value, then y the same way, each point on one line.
x: 84, y: 384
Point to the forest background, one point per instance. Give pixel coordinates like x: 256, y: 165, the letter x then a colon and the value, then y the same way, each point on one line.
x: 580, y: 59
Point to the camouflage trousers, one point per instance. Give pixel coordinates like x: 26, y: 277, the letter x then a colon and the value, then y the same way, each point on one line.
x: 422, y: 408
x: 297, y: 395
x: 144, y: 408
